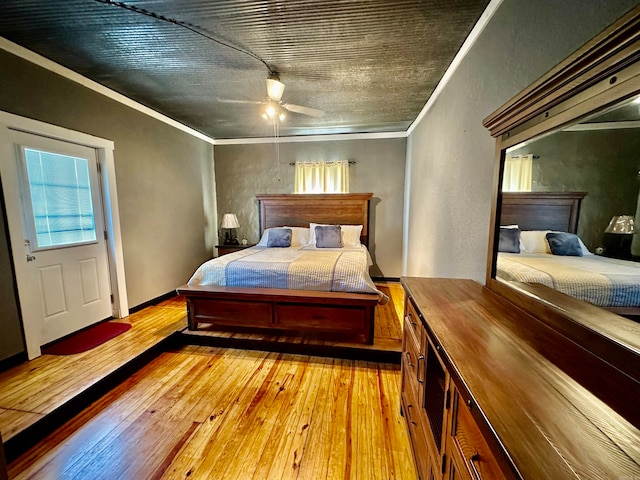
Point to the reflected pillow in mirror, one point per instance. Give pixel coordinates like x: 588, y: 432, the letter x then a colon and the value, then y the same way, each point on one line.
x: 565, y: 244
x: 279, y: 237
x: 509, y: 240
x: 328, y: 236
x: 535, y: 241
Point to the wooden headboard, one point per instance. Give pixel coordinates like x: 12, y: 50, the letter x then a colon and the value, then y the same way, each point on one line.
x: 299, y: 210
x: 542, y: 210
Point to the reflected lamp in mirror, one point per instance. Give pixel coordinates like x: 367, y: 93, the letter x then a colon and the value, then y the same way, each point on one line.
x: 618, y: 236
x: 230, y: 223
x: 624, y: 224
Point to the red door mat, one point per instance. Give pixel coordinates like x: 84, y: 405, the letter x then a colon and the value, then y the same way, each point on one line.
x: 87, y: 339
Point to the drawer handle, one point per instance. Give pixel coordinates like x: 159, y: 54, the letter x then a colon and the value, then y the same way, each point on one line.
x: 410, y: 416
x: 410, y: 320
x: 420, y: 359
x: 409, y: 360
x: 472, y: 461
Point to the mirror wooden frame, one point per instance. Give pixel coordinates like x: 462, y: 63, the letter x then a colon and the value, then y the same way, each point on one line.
x: 602, y: 73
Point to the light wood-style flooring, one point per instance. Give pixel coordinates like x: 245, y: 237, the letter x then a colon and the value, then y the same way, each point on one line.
x: 214, y: 413
x: 38, y: 387
x: 211, y: 412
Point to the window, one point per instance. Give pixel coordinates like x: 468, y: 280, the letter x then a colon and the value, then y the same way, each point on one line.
x: 322, y: 177
x: 60, y: 194
x: 517, y: 173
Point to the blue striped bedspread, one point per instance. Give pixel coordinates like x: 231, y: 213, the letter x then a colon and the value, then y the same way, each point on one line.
x: 304, y: 268
x: 601, y: 281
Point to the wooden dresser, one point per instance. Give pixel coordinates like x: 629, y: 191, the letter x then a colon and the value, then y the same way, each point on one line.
x: 483, y: 400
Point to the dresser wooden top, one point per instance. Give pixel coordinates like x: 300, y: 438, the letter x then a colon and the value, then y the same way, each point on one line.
x: 520, y: 379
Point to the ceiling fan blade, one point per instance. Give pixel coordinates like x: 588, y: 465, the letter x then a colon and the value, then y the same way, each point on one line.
x: 230, y: 100
x: 303, y: 110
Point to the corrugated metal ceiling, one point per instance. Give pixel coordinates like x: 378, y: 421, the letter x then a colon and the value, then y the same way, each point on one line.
x: 370, y: 65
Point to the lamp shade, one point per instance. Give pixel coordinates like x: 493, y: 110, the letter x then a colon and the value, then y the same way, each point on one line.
x: 275, y: 88
x: 624, y: 224
x: 229, y: 220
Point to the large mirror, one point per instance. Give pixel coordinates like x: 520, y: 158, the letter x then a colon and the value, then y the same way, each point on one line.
x: 565, y: 243
x: 570, y: 198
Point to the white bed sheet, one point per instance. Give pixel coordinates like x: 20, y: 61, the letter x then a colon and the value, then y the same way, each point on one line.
x: 299, y: 268
x: 602, y: 281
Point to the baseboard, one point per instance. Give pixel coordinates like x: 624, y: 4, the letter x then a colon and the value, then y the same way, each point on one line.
x: 12, y: 361
x: 153, y: 301
x: 24, y: 440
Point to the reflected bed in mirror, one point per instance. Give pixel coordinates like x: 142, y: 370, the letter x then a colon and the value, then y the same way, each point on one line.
x: 567, y: 264
x: 575, y: 136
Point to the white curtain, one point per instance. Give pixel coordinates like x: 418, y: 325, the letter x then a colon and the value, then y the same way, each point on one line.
x: 322, y: 177
x: 517, y: 173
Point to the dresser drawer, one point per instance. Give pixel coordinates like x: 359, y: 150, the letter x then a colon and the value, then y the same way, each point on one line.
x: 412, y: 360
x: 412, y: 324
x: 415, y: 425
x: 470, y: 444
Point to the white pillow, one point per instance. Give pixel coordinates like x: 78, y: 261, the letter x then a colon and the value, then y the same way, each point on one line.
x: 350, y: 234
x: 299, y: 236
x: 535, y: 241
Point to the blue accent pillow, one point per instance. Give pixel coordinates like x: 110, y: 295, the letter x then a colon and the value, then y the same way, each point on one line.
x: 279, y: 237
x: 565, y: 244
x: 509, y: 240
x: 328, y: 236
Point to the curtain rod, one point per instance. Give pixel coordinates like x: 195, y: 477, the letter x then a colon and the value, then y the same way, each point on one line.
x: 351, y: 162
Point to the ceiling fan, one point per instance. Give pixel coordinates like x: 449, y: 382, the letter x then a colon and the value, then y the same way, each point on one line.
x: 275, y: 89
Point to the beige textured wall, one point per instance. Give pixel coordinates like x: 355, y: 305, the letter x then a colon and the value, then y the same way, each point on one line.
x: 242, y: 171
x: 450, y: 154
x: 164, y: 176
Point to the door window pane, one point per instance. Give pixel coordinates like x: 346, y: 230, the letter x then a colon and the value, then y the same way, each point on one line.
x: 60, y: 198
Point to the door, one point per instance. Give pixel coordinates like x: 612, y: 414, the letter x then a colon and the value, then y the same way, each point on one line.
x: 65, y: 282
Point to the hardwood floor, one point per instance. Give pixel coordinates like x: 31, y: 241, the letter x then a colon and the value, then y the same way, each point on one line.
x: 34, y: 389
x: 203, y: 412
x: 275, y: 415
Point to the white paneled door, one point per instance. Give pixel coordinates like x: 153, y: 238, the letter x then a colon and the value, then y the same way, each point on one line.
x: 64, y: 274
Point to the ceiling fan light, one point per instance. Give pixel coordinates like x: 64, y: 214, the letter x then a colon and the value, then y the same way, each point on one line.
x: 275, y: 89
x: 271, y: 111
x: 265, y: 116
x: 282, y: 116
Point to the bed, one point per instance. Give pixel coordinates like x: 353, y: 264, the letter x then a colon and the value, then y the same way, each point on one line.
x: 319, y: 304
x: 605, y: 282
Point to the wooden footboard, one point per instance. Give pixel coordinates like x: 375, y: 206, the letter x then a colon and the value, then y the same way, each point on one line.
x: 347, y: 316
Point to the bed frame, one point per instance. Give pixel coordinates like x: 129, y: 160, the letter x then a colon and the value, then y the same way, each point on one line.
x: 335, y: 315
x: 548, y: 211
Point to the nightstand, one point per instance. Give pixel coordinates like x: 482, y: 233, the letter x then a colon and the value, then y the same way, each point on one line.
x: 224, y: 249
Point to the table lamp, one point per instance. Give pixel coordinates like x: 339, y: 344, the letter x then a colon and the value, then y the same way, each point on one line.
x: 622, y: 228
x: 230, y: 223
